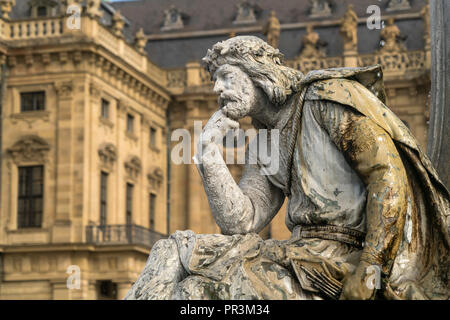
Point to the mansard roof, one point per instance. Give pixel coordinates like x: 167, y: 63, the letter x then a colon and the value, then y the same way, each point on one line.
x: 217, y: 14
x: 213, y: 15
x: 205, y: 22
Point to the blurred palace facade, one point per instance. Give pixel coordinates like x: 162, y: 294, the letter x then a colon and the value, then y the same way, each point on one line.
x: 88, y: 104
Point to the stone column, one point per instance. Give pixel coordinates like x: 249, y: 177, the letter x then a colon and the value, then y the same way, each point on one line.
x: 439, y: 129
x: 64, y: 183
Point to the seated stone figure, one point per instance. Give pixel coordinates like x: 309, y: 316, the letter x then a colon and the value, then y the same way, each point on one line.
x: 368, y: 213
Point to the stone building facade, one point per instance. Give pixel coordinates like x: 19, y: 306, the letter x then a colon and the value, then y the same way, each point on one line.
x: 89, y: 103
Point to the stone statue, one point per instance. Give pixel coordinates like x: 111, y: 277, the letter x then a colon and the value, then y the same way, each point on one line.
x: 368, y: 213
x: 310, y: 42
x: 6, y: 7
x: 272, y: 30
x: 140, y: 41
x: 118, y: 23
x: 93, y: 8
x: 391, y: 37
x: 425, y: 13
x: 349, y: 26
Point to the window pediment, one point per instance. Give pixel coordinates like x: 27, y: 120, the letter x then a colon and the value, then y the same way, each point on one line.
x: 173, y: 19
x: 108, y: 155
x: 133, y: 167
x: 42, y: 8
x: 29, y: 149
x: 246, y: 13
x: 155, y: 177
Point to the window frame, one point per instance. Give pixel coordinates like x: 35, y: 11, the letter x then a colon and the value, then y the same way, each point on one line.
x: 152, y: 210
x: 40, y: 8
x: 26, y: 218
x: 105, y: 103
x: 103, y: 198
x: 153, y: 137
x: 34, y: 106
x: 130, y: 123
x: 129, y: 203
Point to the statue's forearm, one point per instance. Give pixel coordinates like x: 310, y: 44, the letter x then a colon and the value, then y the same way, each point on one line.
x: 375, y: 157
x: 231, y: 208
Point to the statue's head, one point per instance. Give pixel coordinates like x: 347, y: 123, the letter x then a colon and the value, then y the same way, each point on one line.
x: 251, y: 62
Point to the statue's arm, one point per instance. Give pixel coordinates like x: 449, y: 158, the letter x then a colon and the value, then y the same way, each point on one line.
x: 237, y: 208
x: 373, y: 155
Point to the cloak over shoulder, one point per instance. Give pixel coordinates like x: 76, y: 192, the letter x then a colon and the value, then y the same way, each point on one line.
x: 421, y: 269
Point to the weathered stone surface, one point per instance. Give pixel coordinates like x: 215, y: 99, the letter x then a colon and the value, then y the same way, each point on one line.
x: 356, y: 180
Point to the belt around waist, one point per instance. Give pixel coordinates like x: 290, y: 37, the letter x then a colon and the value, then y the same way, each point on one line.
x: 329, y: 232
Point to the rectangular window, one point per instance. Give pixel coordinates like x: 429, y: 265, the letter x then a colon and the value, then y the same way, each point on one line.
x: 105, y: 109
x: 153, y: 137
x: 42, y: 11
x: 32, y: 101
x: 103, y: 197
x: 31, y: 190
x: 129, y: 203
x: 130, y: 123
x: 107, y: 290
x: 152, y: 212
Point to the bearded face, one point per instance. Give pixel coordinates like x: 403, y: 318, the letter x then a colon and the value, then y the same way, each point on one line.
x: 237, y: 92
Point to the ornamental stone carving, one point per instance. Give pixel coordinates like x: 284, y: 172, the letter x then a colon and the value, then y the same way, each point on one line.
x: 29, y: 149
x: 140, y: 41
x: 93, y: 8
x: 155, y: 178
x: 95, y: 90
x: 64, y: 89
x: 118, y: 24
x: 133, y: 167
x: 108, y: 155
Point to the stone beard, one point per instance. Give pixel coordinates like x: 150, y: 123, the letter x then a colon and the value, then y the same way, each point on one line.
x: 357, y: 185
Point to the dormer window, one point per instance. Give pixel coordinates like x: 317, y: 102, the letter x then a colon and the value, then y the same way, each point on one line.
x: 173, y: 19
x: 42, y: 11
x: 398, y: 5
x: 43, y: 8
x: 246, y: 13
x: 320, y: 9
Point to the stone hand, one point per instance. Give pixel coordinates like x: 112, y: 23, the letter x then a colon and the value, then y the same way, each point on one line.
x: 358, y: 285
x: 216, y: 128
